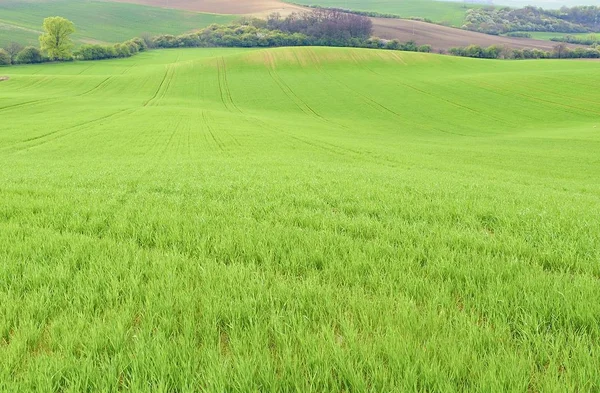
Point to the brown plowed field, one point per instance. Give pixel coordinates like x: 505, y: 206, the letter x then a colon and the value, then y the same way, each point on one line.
x: 442, y: 37
x: 439, y: 37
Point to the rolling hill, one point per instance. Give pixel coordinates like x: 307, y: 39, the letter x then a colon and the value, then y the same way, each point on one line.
x: 305, y: 219
x: 97, y: 21
x: 440, y: 37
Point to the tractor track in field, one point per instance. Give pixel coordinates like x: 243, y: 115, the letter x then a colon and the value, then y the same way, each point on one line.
x: 369, y: 101
x: 421, y: 91
x: 21, y: 104
x: 166, y: 82
x: 41, y: 139
x: 97, y: 87
x: 564, y: 107
x: 330, y: 147
x: 285, y: 88
x: 221, y: 146
x: 84, y: 70
x: 224, y: 89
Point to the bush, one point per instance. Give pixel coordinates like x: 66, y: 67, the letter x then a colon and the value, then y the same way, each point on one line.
x: 29, y: 55
x: 4, y: 58
x: 518, y: 34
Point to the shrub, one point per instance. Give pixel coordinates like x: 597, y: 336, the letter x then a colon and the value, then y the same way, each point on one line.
x: 4, y: 58
x: 29, y: 55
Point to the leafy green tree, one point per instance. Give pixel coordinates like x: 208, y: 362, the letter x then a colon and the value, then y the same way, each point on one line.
x: 56, y: 40
x: 4, y: 57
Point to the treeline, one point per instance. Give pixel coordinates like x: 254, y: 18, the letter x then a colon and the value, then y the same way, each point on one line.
x: 324, y: 25
x: 560, y: 51
x: 101, y: 52
x: 589, y: 40
x: 580, y: 19
x: 317, y: 28
x: 17, y: 54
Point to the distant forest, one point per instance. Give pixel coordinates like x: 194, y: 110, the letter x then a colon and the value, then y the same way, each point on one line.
x: 489, y: 20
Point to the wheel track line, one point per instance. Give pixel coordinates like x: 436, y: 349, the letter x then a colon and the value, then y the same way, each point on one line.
x: 162, y: 82
x: 218, y: 142
x: 99, y: 86
x: 564, y: 107
x: 303, y: 106
x: 70, y: 130
x: 8, y: 107
x: 224, y: 89
x: 369, y: 101
x: 438, y: 98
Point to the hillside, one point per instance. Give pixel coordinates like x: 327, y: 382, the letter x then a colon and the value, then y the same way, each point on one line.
x: 440, y: 37
x: 97, y: 21
x: 308, y: 219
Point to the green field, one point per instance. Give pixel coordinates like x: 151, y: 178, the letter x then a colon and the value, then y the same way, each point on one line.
x: 449, y: 13
x: 306, y: 219
x: 547, y: 36
x: 97, y: 21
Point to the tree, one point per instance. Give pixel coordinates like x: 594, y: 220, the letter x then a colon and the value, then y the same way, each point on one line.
x: 4, y: 57
x: 13, y: 49
x: 560, y: 51
x: 56, y: 40
x: 29, y: 55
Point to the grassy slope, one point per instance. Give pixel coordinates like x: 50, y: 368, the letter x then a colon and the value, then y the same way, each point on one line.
x: 301, y: 219
x: 97, y: 21
x: 449, y: 13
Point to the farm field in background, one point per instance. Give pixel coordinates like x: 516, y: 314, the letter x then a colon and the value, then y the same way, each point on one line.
x: 311, y: 219
x: 97, y: 21
x: 541, y: 35
x: 449, y: 13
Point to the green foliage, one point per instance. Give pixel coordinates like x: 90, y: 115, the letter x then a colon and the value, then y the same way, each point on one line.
x: 503, y: 20
x: 560, y: 51
x: 519, y: 34
x: 591, y: 39
x: 29, y: 55
x: 101, y: 52
x: 56, y: 40
x: 300, y: 219
x: 5, y: 58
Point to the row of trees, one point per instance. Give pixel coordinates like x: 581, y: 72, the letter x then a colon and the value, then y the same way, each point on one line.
x: 503, y: 20
x: 101, y: 52
x: 249, y: 33
x: 15, y: 53
x: 589, y: 40
x: 560, y: 51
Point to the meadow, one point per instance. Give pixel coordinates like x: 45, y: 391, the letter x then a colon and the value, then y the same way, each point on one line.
x: 306, y: 219
x: 97, y: 21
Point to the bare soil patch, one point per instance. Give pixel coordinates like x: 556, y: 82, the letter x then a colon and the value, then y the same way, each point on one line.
x: 4, y: 78
x: 442, y: 37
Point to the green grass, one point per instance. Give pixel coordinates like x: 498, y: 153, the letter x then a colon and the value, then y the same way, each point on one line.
x: 547, y: 36
x: 21, y: 21
x: 449, y: 13
x: 306, y: 219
